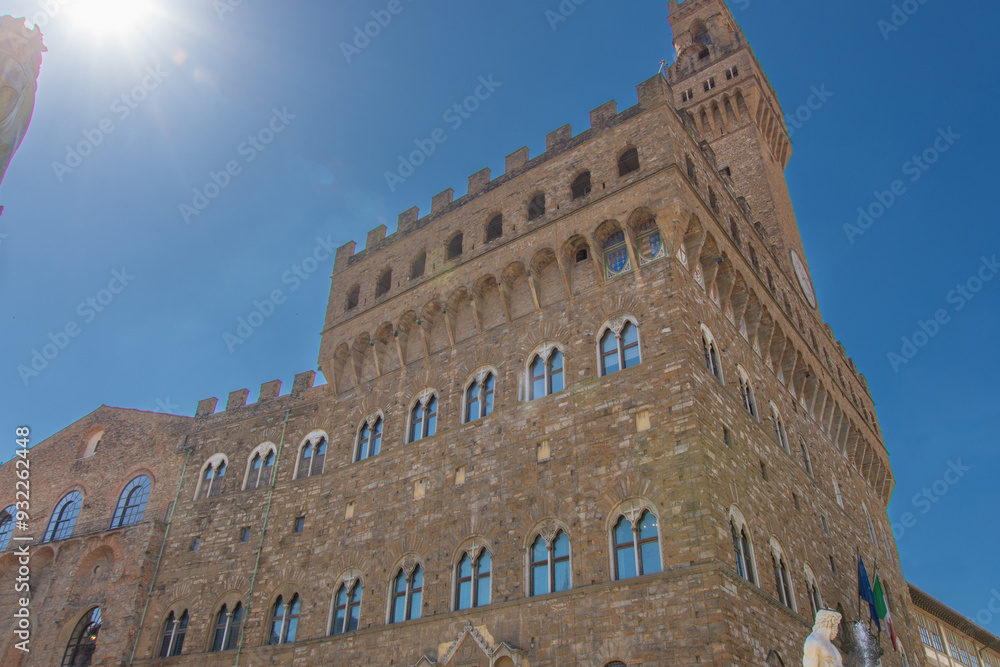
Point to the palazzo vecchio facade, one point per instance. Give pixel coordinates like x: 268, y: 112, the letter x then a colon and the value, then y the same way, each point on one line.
x: 587, y: 414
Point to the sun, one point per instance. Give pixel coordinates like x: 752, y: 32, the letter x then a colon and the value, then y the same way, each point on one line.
x: 111, y: 19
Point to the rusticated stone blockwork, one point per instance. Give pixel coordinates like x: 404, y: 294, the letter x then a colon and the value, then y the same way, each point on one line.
x: 603, y: 348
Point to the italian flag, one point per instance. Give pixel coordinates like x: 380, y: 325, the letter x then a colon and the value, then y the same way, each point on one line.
x: 883, y: 609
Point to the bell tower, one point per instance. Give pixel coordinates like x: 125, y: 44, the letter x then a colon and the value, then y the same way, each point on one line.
x: 718, y: 80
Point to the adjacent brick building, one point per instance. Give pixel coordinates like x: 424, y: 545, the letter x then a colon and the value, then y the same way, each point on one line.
x: 587, y: 414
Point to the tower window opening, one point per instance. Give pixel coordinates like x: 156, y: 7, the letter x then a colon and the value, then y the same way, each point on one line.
x: 536, y: 208
x: 710, y: 84
x: 455, y: 247
x: 494, y: 229
x: 687, y: 95
x: 703, y: 54
x: 582, y: 255
x: 581, y: 186
x: 384, y: 283
x: 732, y: 73
x: 628, y: 162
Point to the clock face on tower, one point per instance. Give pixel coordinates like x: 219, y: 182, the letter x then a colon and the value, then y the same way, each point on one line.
x: 803, y: 276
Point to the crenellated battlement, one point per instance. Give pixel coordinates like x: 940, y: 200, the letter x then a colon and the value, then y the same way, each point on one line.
x: 270, y: 394
x: 650, y: 93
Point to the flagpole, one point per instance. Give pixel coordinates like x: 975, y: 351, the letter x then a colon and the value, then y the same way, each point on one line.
x: 857, y: 566
x: 876, y: 579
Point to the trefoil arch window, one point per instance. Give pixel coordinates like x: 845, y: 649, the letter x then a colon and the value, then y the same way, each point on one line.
x: 369, y: 441
x: 581, y: 185
x: 312, y: 457
x: 261, y: 468
x: 743, y: 549
x: 806, y: 459
x: 472, y: 579
x: 284, y: 620
x: 712, y: 359
x: 227, y: 628
x: 617, y: 261
x: 479, y: 396
x: 423, y: 417
x: 132, y: 503
x: 7, y: 518
x: 628, y: 162
x: 812, y: 592
x: 550, y: 564
x: 64, y: 518
x: 174, y: 630
x: 407, y: 593
x: 83, y: 642
x: 782, y: 581
x: 212, y: 479
x: 779, y: 428
x: 619, y: 347
x: 545, y: 373
x: 636, y: 545
x: 346, y: 608
x: 746, y: 393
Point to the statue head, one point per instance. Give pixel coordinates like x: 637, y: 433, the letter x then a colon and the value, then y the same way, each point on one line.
x: 828, y: 622
x: 21, y: 44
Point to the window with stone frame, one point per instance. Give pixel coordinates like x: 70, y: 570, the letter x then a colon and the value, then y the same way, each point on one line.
x: 423, y: 416
x: 284, y: 620
x: 174, y: 630
x: 619, y: 346
x: 63, y: 519
x: 369, y: 440
x: 549, y: 570
x: 545, y: 373
x: 454, y: 249
x: 779, y: 428
x: 132, y: 502
x: 743, y: 549
x: 261, y: 468
x: 213, y: 478
x: 628, y: 162
x: 407, y: 594
x: 479, y: 396
x: 83, y: 642
x: 581, y: 185
x: 747, y: 393
x: 473, y: 576
x: 227, y: 628
x: 346, y: 607
x: 7, y: 518
x: 711, y: 351
x: 494, y: 228
x: 312, y: 457
x: 418, y: 265
x: 536, y: 207
x: 783, y: 583
x: 636, y: 541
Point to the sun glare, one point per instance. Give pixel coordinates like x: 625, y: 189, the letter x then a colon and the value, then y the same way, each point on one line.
x: 111, y: 19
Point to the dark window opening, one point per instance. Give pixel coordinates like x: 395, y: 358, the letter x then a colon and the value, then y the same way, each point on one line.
x: 732, y: 73
x: 353, y: 298
x: 300, y: 524
x: 692, y: 171
x: 628, y: 162
x: 536, y: 208
x: 582, y: 255
x: 494, y: 229
x: 703, y: 54
x: 455, y: 247
x: 418, y: 266
x: 245, y: 535
x: 763, y: 471
x: 581, y: 186
x: 384, y: 283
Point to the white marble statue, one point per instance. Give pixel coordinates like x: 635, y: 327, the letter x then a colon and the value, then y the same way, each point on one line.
x: 819, y: 650
x: 20, y: 60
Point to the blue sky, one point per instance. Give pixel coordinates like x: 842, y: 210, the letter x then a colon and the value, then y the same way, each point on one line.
x: 198, y: 84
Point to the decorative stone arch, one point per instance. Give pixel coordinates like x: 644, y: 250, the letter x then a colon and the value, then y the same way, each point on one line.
x: 363, y: 357
x: 473, y: 547
x: 68, y: 626
x: 229, y: 600
x: 434, y: 325
x: 782, y: 556
x: 544, y: 350
x: 516, y: 289
x: 582, y: 264
x: 460, y: 315
x: 422, y: 396
x: 370, y: 419
x: 454, y: 246
x: 780, y: 429
x: 211, y: 461
x: 262, y: 449
x: 628, y: 161
x: 744, y: 378
x: 347, y: 578
x: 313, y: 437
x: 535, y: 205
x: 632, y: 509
x: 474, y: 645
x: 386, y: 352
x: 774, y: 659
x: 548, y: 528
x: 737, y: 519
x: 712, y: 352
x: 614, y: 650
x: 131, y: 477
x: 548, y: 281
x: 343, y: 371
x: 98, y: 564
x: 811, y: 578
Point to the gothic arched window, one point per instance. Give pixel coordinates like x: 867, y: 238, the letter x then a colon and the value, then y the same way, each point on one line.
x: 545, y: 374
x: 479, y: 397
x: 64, y: 518
x: 407, y: 592
x: 455, y: 247
x: 536, y: 207
x: 712, y: 360
x: 83, y: 641
x: 779, y: 429
x: 494, y: 229
x: 227, y: 628
x: 423, y: 417
x: 212, y: 479
x: 346, y: 608
x: 743, y: 550
x: 369, y: 439
x: 312, y: 458
x: 550, y: 565
x: 284, y: 620
x: 174, y: 630
x: 472, y: 580
x: 261, y: 467
x: 783, y: 584
x: 132, y: 503
x: 637, y: 546
x: 620, y: 349
x: 746, y: 393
